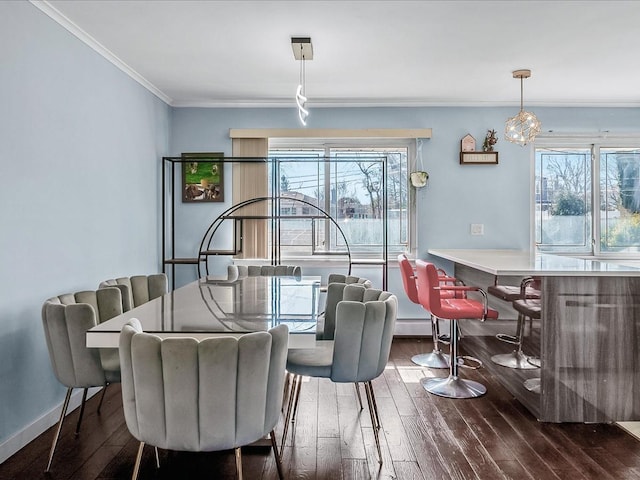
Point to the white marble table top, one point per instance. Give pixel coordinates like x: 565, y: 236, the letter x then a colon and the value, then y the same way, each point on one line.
x: 521, y: 263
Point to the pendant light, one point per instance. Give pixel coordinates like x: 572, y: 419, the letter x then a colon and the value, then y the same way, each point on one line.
x: 524, y: 127
x: 302, y: 51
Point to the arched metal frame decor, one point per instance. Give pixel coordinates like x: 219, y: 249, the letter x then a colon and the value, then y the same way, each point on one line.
x: 205, y: 250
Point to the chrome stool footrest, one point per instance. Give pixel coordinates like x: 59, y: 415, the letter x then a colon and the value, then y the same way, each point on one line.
x: 535, y: 361
x: 444, y: 338
x: 512, y: 339
x: 466, y: 361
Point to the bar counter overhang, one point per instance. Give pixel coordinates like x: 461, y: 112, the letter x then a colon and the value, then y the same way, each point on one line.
x: 589, y: 332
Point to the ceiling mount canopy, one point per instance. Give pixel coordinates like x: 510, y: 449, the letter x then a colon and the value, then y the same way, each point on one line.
x: 524, y: 127
x: 302, y: 51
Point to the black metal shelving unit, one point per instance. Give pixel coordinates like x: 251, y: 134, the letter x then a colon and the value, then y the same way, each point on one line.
x: 232, y: 214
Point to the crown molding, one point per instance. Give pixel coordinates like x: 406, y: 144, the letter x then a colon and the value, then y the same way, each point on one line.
x: 65, y: 22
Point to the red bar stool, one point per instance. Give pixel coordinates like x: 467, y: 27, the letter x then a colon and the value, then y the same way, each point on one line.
x: 527, y: 304
x: 452, y: 309
x: 437, y: 358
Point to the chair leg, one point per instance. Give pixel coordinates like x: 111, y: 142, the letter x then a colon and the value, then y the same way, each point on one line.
x: 157, y: 457
x: 297, y: 399
x: 239, y: 462
x: 104, y: 390
x: 436, y: 358
x: 277, y: 454
x: 375, y: 405
x: 290, y: 407
x: 373, y: 420
x: 286, y: 393
x: 453, y: 386
x: 136, y: 466
x: 358, y: 394
x: 84, y: 400
x: 65, y: 405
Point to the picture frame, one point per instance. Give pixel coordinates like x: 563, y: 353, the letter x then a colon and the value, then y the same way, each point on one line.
x: 478, y: 158
x: 202, y: 177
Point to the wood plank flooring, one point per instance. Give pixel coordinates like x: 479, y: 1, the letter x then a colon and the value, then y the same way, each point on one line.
x: 423, y: 437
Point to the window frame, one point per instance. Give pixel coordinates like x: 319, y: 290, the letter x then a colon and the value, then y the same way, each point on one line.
x: 594, y: 143
x: 327, y: 144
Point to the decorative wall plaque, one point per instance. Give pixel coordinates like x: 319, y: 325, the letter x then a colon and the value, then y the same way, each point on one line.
x: 468, y: 143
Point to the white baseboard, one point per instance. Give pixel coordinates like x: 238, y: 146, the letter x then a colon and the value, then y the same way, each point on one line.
x: 32, y: 431
x: 412, y: 327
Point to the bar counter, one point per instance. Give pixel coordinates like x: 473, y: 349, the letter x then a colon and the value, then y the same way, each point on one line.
x: 587, y: 339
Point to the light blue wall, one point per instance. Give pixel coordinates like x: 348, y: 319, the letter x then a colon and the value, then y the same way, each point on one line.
x: 80, y: 144
x: 456, y: 195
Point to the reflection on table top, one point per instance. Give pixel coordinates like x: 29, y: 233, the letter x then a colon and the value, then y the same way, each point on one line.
x: 211, y: 307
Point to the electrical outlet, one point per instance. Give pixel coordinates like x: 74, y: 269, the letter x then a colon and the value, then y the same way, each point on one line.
x: 477, y: 229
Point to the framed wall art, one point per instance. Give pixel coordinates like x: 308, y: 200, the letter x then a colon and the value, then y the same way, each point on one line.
x: 202, y: 177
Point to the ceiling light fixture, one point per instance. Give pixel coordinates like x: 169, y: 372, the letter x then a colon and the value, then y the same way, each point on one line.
x: 303, y: 51
x: 524, y: 127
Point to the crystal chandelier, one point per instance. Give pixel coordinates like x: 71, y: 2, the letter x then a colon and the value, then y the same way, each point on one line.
x: 524, y: 127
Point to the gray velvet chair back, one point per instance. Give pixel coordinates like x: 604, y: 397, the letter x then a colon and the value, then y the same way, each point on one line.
x: 336, y: 292
x: 236, y: 272
x: 348, y: 279
x: 363, y: 336
x: 139, y: 289
x: 216, y: 394
x: 66, y: 319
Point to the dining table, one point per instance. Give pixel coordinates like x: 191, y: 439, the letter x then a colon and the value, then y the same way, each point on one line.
x: 216, y: 306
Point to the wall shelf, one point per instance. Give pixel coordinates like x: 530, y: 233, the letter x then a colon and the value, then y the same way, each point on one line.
x: 478, y: 158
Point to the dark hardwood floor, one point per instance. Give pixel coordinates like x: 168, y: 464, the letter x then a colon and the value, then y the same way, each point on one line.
x: 422, y: 436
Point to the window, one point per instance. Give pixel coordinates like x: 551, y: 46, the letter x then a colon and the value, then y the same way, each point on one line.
x: 347, y: 182
x: 587, y: 196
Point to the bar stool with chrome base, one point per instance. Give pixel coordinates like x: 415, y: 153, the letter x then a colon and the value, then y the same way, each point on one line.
x: 525, y: 305
x: 436, y: 358
x: 452, y: 309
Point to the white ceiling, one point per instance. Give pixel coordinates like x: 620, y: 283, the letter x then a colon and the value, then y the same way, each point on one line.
x: 449, y: 53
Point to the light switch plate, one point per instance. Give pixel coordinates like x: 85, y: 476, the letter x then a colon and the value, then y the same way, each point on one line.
x: 477, y: 229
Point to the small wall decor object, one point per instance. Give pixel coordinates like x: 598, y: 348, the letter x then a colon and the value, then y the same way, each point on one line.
x: 489, y: 141
x: 469, y: 155
x: 202, y: 177
x: 468, y: 143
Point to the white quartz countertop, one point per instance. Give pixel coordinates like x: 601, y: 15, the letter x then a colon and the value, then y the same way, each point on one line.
x: 518, y: 262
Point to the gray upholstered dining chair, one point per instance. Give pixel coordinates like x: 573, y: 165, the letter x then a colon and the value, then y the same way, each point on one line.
x: 139, y: 289
x: 359, y: 351
x: 326, y: 323
x: 215, y: 394
x: 66, y: 319
x: 348, y: 279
